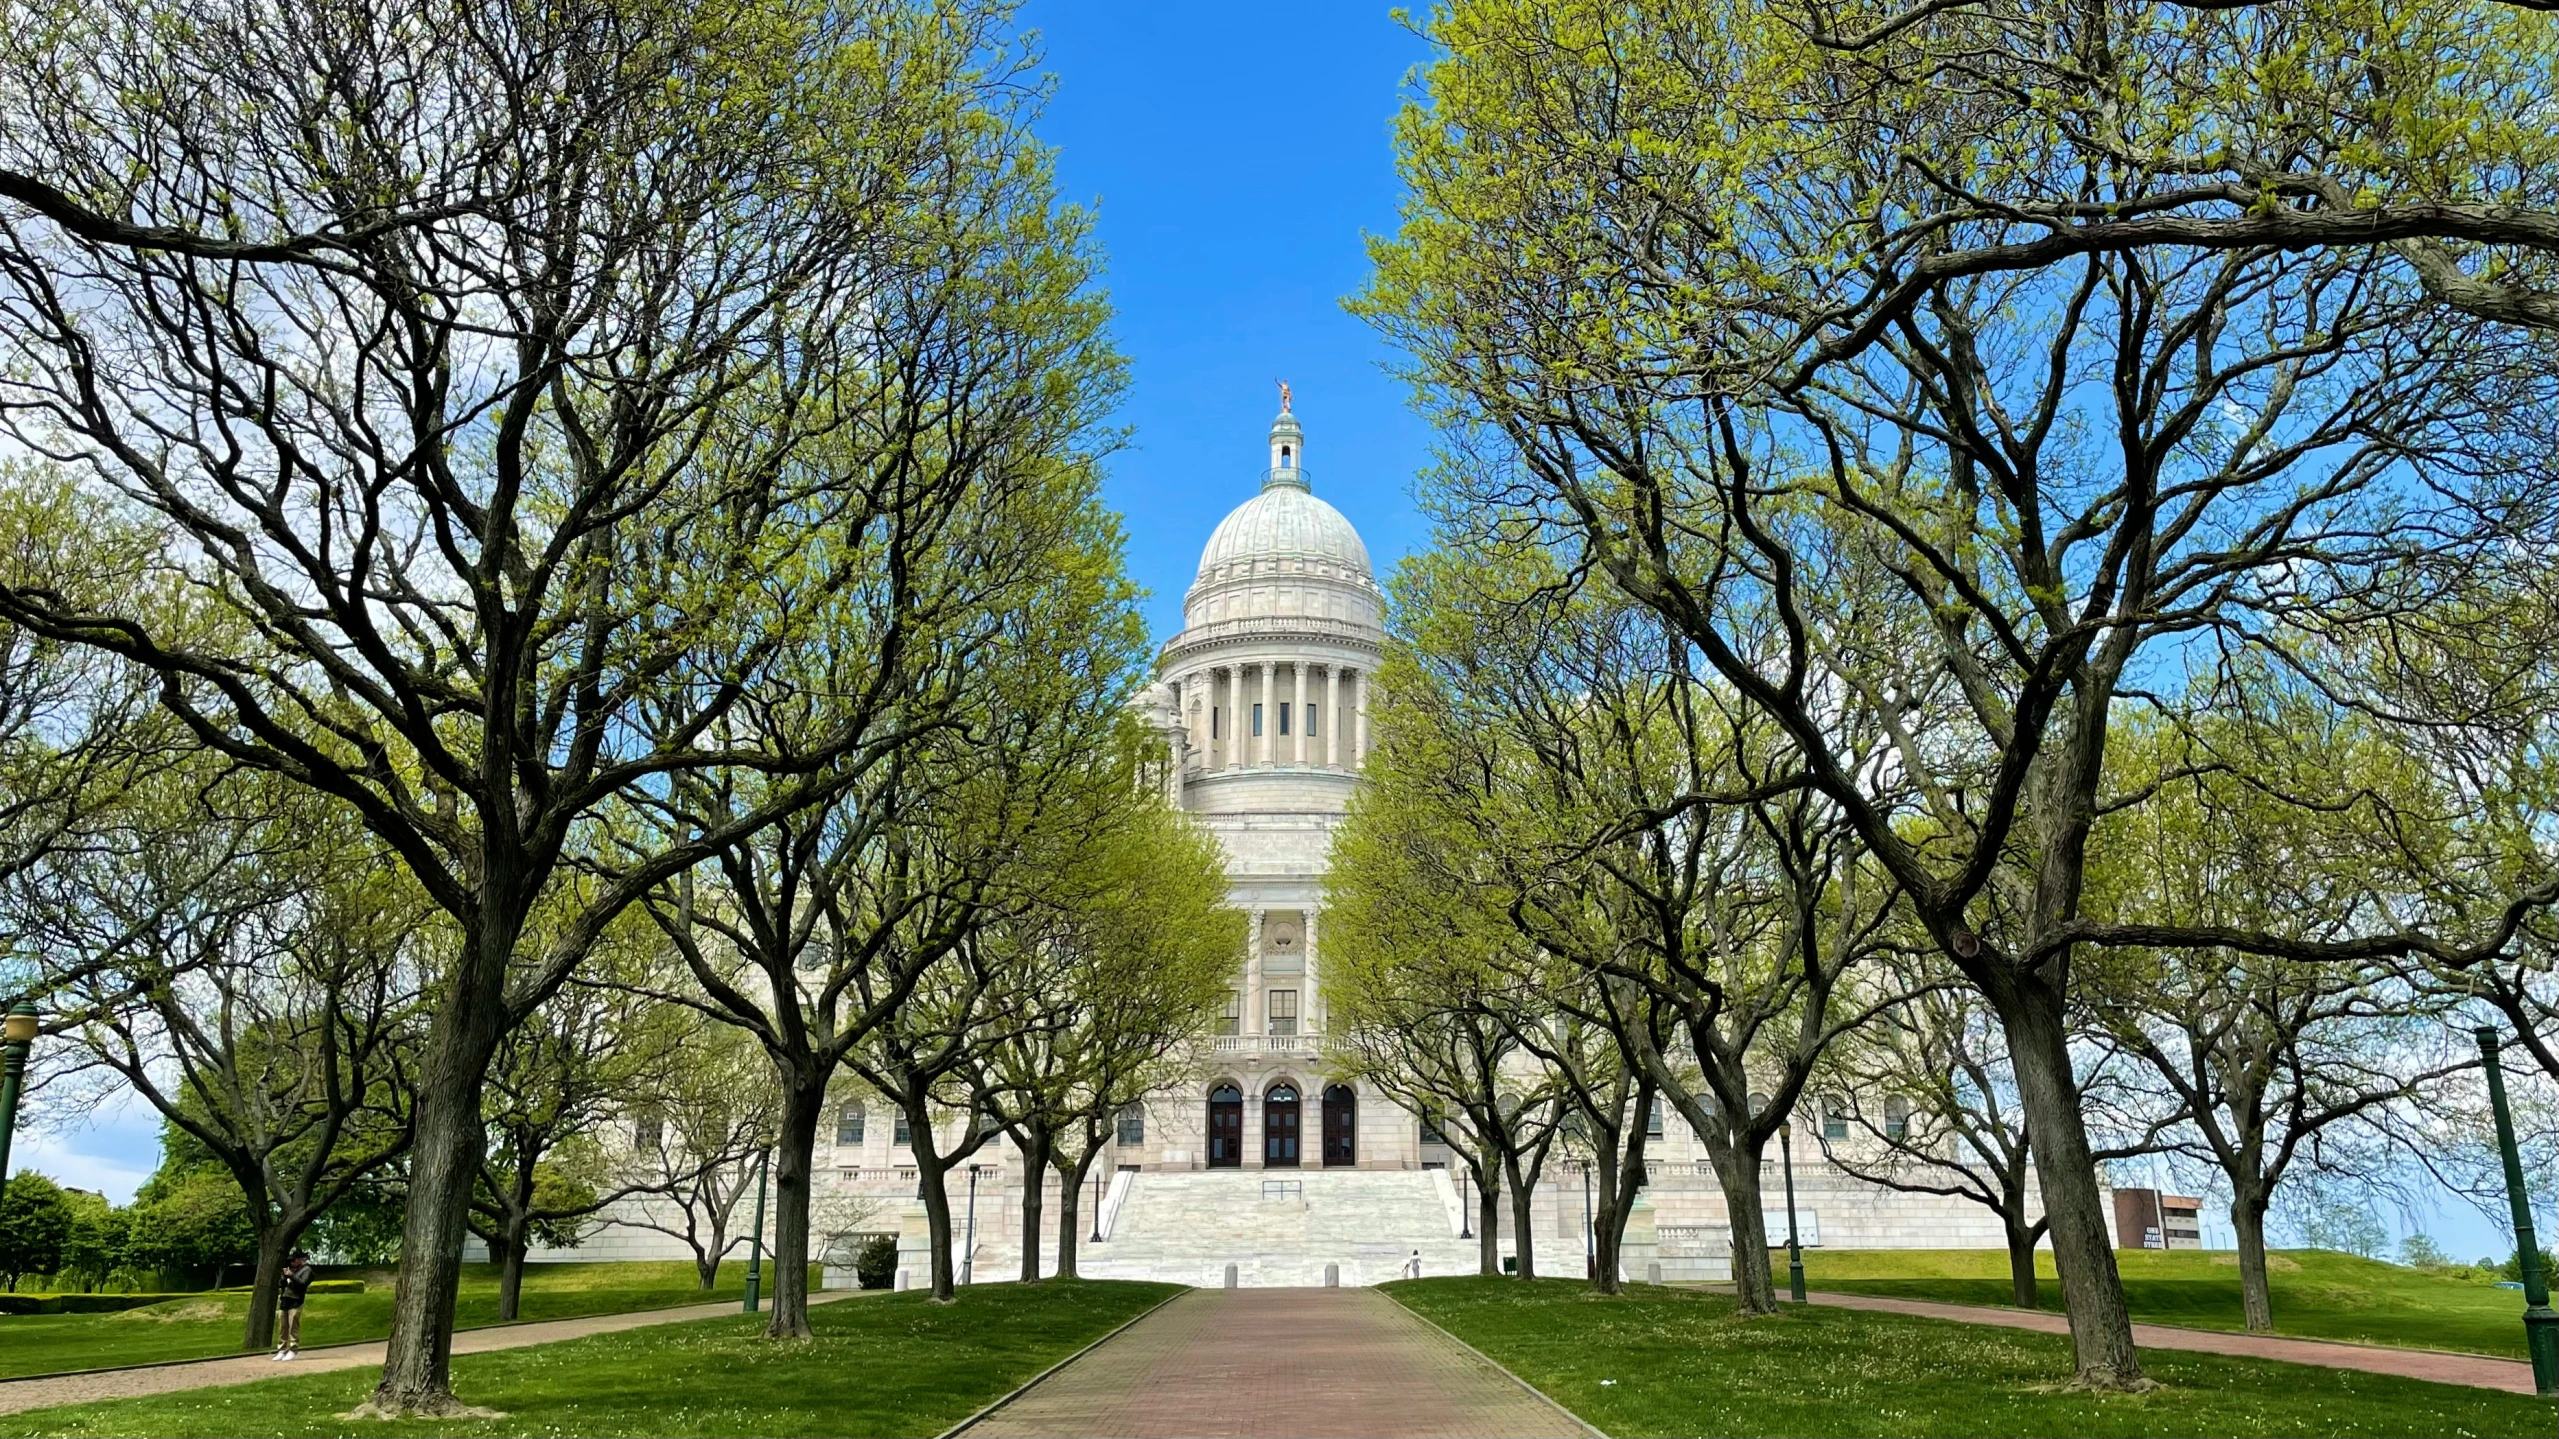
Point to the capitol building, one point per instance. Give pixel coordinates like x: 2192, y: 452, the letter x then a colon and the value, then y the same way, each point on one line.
x: 1267, y: 1163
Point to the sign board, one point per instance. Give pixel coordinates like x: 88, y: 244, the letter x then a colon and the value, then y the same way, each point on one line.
x: 1808, y: 1225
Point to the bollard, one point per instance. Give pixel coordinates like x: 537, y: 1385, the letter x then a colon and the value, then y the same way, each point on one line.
x: 1230, y: 1276
x: 1332, y: 1276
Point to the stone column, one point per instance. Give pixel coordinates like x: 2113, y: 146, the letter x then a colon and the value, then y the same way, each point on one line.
x: 1297, y: 713
x: 1332, y: 716
x: 1268, y: 752
x: 1359, y: 743
x: 1310, y: 998
x: 1235, y: 719
x: 1253, y: 980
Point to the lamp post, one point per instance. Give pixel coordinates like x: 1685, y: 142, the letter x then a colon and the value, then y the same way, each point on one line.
x: 17, y: 1036
x: 1097, y: 1206
x: 968, y: 1256
x: 1590, y: 1230
x: 755, y: 1239
x: 1465, y: 1210
x: 1794, y: 1245
x: 2540, y: 1325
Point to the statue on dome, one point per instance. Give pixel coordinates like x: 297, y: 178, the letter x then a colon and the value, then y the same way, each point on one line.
x: 1283, y: 397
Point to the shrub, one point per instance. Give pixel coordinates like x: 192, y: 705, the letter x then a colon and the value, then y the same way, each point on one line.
x: 876, y: 1261
x: 2513, y: 1267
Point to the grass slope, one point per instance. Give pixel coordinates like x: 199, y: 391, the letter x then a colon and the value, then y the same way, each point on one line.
x: 1676, y: 1362
x: 208, y: 1325
x: 2317, y: 1293
x: 883, y: 1364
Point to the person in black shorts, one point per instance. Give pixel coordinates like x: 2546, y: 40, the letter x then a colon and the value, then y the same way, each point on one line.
x: 298, y: 1274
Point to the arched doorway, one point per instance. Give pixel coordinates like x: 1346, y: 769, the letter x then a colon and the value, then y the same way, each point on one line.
x: 1341, y: 1126
x: 1279, y: 1126
x: 1226, y: 1127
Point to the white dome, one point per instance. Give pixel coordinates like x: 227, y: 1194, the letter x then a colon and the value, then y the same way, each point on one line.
x: 1284, y: 556
x: 1283, y: 522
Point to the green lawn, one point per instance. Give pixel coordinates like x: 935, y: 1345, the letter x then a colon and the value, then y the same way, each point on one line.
x: 1676, y: 1362
x: 2317, y: 1293
x: 211, y: 1324
x: 883, y: 1364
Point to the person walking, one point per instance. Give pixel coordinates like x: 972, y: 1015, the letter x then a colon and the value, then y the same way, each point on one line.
x: 1413, y: 1267
x: 290, y: 1290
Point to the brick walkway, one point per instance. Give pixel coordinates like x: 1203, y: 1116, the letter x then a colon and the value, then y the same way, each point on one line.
x: 41, y: 1392
x: 2476, y: 1370
x: 1245, y: 1363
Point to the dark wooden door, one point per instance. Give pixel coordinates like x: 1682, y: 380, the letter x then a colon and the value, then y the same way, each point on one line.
x: 1341, y: 1126
x: 1226, y: 1128
x: 1279, y: 1128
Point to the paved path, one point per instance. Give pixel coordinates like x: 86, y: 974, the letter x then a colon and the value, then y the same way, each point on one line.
x: 40, y: 1393
x: 1244, y: 1363
x: 2476, y: 1370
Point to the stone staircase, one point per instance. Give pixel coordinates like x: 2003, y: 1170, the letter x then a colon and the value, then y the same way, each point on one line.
x: 1281, y: 1227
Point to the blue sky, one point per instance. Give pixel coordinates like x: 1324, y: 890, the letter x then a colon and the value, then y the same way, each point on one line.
x: 1237, y: 155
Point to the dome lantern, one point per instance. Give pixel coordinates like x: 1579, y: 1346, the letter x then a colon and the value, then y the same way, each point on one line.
x: 1288, y: 449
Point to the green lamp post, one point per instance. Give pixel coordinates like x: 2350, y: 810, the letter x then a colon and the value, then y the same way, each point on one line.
x: 17, y: 1036
x: 755, y: 1238
x: 2540, y: 1325
x: 1794, y: 1244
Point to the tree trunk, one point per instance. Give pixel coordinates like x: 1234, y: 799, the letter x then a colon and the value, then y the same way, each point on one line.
x: 1523, y: 1228
x: 1034, y: 1180
x: 1606, y: 1227
x: 1737, y: 1173
x: 444, y: 1163
x: 937, y: 1219
x: 511, y: 1252
x: 1488, y: 1218
x: 1070, y: 1211
x: 274, y: 1243
x: 2021, y: 1262
x: 2248, y: 1218
x: 2092, y: 1292
x: 794, y: 1165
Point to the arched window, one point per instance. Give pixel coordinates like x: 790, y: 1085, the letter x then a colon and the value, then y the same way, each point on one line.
x: 1896, y: 1118
x: 1284, y: 460
x: 1834, y: 1117
x: 1132, y: 1124
x: 848, y: 1123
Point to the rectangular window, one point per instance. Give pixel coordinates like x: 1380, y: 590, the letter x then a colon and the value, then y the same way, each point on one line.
x: 1653, y: 1122
x: 648, y: 1133
x: 1431, y: 1132
x: 1213, y: 713
x: 1133, y: 1124
x: 848, y: 1124
x: 1257, y: 721
x: 1284, y: 714
x: 899, y: 1134
x: 1232, y: 1022
x: 1283, y: 1011
x: 1311, y: 712
x: 1834, y: 1119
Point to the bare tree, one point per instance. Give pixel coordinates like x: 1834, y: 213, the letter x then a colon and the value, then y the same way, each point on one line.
x: 523, y: 379
x: 252, y: 966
